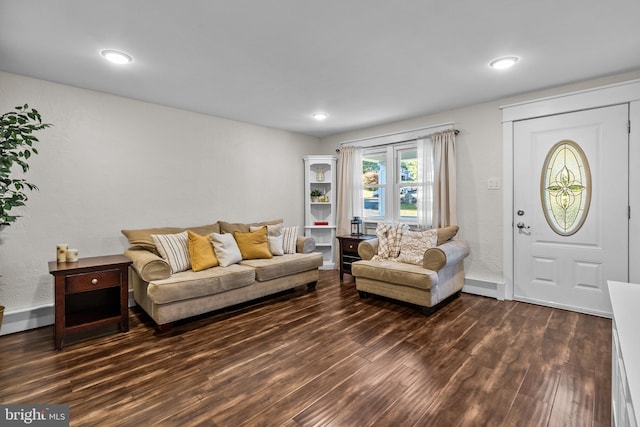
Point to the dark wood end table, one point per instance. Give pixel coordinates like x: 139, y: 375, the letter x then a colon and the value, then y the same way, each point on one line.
x: 89, y: 294
x: 349, y: 251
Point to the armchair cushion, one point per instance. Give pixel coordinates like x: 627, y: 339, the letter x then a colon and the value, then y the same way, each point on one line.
x: 446, y: 233
x: 394, y: 272
x: 415, y: 243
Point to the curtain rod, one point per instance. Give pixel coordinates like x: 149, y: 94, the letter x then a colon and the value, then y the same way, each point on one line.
x: 455, y: 132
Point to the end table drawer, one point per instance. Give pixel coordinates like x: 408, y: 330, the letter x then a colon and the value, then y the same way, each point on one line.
x: 351, y: 247
x: 94, y: 280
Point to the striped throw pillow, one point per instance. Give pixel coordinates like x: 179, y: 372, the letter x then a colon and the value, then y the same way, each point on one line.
x: 289, y: 239
x: 174, y: 248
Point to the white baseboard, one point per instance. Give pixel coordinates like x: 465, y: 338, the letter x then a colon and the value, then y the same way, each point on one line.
x: 34, y: 317
x: 28, y: 318
x: 483, y: 288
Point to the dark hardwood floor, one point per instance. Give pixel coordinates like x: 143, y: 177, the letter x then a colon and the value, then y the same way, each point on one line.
x: 327, y: 357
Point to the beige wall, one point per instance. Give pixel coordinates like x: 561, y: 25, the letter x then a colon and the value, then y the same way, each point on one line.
x: 111, y: 163
x: 479, y: 151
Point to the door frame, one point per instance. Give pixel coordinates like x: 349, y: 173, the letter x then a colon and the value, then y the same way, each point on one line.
x: 619, y: 93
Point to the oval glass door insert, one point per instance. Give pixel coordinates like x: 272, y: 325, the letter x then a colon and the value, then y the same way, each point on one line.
x: 565, y: 188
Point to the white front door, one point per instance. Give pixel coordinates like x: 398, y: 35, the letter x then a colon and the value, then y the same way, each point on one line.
x: 571, y: 197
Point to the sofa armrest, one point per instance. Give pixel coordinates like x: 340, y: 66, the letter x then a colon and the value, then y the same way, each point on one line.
x: 148, y: 265
x: 448, y: 253
x: 305, y: 245
x: 368, y: 248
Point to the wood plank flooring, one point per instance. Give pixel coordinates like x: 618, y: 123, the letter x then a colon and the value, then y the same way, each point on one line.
x: 327, y: 357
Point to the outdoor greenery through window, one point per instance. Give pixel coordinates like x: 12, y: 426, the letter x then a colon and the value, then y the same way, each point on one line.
x: 390, y: 183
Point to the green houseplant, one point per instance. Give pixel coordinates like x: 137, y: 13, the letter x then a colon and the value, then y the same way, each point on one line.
x: 315, y: 194
x: 17, y: 142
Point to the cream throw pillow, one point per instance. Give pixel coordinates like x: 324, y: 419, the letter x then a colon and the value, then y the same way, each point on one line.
x: 415, y: 243
x: 226, y: 249
x: 174, y: 248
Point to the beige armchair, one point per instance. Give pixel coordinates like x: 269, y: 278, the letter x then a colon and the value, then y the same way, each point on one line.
x: 439, y: 279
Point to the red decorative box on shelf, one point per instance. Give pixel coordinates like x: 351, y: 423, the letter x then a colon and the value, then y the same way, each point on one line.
x: 321, y: 223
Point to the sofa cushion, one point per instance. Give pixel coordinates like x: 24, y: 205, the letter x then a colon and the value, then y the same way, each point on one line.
x: 141, y: 238
x: 228, y: 227
x: 415, y: 243
x: 226, y: 249
x: 268, y: 269
x: 253, y: 244
x: 174, y: 248
x: 273, y: 229
x: 201, y: 252
x: 395, y: 272
x: 193, y: 284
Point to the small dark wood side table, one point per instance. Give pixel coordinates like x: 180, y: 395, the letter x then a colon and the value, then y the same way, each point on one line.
x: 349, y: 251
x: 89, y: 294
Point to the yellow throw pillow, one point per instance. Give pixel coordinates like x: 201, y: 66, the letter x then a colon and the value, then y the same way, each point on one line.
x: 254, y: 244
x: 201, y: 252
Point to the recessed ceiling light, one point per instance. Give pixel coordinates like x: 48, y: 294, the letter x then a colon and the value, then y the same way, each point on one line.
x: 504, y: 62
x: 320, y: 116
x: 116, y: 56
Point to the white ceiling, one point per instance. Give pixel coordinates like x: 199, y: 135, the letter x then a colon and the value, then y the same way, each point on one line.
x: 275, y: 62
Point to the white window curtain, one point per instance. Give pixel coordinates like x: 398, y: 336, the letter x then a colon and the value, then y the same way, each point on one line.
x: 425, y: 178
x: 350, y: 188
x: 445, y: 207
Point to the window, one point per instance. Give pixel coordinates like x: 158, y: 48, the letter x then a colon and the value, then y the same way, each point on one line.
x: 391, y: 187
x: 565, y: 188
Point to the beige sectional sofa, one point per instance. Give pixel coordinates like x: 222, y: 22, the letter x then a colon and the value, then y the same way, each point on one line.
x: 439, y: 277
x: 169, y: 296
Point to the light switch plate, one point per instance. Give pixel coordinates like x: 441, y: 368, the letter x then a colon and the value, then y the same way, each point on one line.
x: 493, y: 183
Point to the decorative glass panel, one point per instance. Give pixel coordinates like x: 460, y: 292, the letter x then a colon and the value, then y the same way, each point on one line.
x: 565, y: 188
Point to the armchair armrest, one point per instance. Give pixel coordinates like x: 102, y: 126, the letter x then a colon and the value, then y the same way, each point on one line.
x: 148, y: 265
x: 305, y: 245
x: 448, y: 253
x: 368, y: 248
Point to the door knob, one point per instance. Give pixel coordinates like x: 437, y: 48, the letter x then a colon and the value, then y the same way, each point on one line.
x: 521, y: 225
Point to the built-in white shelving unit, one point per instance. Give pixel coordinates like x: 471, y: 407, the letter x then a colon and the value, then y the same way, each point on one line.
x: 320, y: 211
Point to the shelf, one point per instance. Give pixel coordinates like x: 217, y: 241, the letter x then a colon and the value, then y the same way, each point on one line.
x: 320, y: 175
